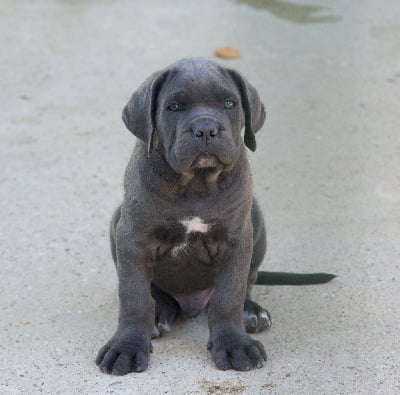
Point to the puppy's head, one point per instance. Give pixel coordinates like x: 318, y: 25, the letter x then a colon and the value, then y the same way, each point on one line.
x: 197, y: 109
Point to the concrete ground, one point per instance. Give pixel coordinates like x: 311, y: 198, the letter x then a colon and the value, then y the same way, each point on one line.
x: 326, y: 170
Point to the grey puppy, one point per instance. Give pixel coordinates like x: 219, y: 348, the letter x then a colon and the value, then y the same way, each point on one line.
x: 189, y: 233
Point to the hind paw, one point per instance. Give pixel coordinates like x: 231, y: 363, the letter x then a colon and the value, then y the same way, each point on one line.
x: 256, y: 318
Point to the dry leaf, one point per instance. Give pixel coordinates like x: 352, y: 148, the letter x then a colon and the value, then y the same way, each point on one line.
x: 227, y: 53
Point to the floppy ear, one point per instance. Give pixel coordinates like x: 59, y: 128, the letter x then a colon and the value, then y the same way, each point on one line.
x: 140, y: 111
x: 254, y: 109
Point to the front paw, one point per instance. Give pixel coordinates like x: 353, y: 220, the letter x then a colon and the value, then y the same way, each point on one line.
x: 237, y: 351
x: 125, y: 352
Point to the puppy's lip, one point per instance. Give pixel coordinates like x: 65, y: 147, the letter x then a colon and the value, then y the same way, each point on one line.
x: 206, y: 160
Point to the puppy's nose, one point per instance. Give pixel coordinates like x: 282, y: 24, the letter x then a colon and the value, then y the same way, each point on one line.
x: 207, y: 133
x: 205, y: 130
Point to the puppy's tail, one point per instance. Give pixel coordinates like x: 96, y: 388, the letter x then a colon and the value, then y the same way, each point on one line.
x: 283, y: 278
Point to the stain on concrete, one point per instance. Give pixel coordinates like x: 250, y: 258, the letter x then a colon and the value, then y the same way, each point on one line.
x: 222, y: 388
x: 292, y: 12
x: 25, y: 140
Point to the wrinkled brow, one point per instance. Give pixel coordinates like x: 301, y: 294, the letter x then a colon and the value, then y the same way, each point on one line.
x: 176, y: 95
x: 209, y: 92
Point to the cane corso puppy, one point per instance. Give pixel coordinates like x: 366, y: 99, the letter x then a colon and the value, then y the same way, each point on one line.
x: 189, y: 234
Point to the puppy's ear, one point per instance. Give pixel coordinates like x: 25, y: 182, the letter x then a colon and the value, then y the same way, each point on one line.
x: 254, y: 109
x: 140, y: 111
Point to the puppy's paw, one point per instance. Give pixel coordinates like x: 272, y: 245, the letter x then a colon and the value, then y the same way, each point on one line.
x: 125, y: 352
x: 238, y: 352
x: 159, y: 329
x: 256, y: 318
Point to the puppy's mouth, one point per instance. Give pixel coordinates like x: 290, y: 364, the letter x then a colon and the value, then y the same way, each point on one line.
x: 207, y: 166
x: 206, y: 161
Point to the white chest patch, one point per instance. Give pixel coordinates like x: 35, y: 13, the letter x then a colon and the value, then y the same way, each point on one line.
x: 195, y: 224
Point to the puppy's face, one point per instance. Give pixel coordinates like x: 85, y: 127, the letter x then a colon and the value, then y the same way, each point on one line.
x: 199, y: 117
x: 195, y: 111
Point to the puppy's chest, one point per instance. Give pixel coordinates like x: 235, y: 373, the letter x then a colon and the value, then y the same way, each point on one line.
x: 191, y: 236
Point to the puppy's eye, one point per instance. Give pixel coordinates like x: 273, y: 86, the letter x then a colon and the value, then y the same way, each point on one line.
x: 229, y: 104
x: 174, y: 107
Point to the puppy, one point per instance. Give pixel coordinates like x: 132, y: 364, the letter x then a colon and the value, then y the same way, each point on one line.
x: 189, y: 233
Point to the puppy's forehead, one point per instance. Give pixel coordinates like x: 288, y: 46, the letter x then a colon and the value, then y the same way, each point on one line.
x: 195, y: 66
x: 199, y: 74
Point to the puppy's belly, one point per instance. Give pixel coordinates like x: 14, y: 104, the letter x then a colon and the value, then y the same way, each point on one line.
x: 192, y: 303
x: 188, y: 279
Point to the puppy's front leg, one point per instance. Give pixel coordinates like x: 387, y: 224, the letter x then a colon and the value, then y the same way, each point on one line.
x: 129, y: 348
x: 230, y: 346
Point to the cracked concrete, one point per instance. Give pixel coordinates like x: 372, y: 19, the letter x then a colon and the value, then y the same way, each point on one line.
x: 326, y: 173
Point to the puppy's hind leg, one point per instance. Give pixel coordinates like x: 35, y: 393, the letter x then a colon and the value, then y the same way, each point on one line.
x: 113, y: 227
x: 256, y: 318
x: 167, y: 309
